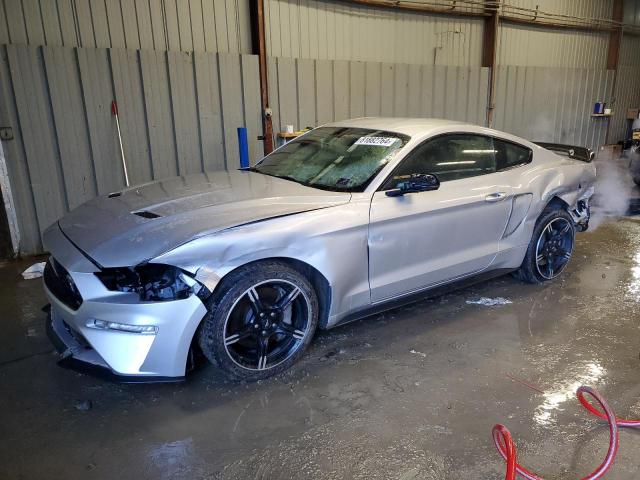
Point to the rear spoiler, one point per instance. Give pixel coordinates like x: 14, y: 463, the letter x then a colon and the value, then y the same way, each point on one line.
x: 577, y: 153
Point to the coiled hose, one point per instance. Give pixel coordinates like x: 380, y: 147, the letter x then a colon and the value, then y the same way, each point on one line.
x: 504, y: 442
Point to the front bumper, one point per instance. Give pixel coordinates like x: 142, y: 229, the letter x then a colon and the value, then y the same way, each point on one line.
x: 120, y: 355
x: 86, y: 360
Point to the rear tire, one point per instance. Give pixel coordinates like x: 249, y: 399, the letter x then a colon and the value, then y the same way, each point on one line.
x: 260, y: 321
x: 550, y: 248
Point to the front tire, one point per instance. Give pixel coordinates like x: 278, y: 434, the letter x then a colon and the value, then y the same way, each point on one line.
x: 260, y: 321
x: 550, y: 248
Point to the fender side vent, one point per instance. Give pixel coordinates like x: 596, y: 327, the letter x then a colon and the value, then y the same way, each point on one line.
x: 114, y: 194
x: 147, y: 214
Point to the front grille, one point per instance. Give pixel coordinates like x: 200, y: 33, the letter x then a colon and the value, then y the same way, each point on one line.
x: 61, y: 285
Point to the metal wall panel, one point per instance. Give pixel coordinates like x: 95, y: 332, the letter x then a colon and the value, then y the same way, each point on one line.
x: 630, y: 51
x: 209, y: 111
x: 534, y: 46
x: 174, y: 119
x: 185, y: 112
x: 552, y: 104
x: 97, y: 91
x: 128, y: 91
x: 157, y: 98
x: 337, y: 90
x: 322, y: 29
x: 65, y: 91
x: 29, y: 89
x: 627, y: 96
x: 181, y: 25
x: 544, y: 47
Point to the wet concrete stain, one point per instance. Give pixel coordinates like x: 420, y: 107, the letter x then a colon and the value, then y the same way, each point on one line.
x: 409, y: 394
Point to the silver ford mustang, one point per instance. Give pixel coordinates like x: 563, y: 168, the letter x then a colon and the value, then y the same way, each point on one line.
x: 349, y: 219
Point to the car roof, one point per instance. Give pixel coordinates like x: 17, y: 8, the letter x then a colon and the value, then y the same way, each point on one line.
x: 407, y: 126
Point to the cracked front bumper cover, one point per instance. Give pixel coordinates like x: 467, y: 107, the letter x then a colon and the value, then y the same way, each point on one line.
x: 79, y: 358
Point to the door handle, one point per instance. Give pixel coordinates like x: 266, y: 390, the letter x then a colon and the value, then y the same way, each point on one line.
x: 495, y: 197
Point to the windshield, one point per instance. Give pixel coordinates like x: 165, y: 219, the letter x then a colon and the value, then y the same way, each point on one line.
x: 334, y: 158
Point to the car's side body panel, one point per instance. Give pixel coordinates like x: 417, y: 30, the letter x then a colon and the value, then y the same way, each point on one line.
x: 422, y: 239
x: 332, y: 240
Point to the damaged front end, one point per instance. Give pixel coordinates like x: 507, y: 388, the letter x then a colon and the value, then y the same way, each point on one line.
x: 152, y: 282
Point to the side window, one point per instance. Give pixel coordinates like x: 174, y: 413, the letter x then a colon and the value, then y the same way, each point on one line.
x: 449, y: 157
x: 510, y: 155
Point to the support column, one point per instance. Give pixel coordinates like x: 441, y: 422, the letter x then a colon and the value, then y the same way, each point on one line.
x: 259, y: 48
x: 489, y: 54
x: 615, y: 37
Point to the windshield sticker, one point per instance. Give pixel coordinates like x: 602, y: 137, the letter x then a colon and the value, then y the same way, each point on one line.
x: 376, y: 141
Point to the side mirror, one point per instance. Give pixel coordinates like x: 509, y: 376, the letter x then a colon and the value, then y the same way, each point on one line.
x: 417, y: 182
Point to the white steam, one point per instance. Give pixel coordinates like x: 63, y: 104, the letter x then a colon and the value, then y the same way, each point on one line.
x: 614, y: 188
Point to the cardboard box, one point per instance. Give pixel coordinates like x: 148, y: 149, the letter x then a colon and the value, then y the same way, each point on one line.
x: 632, y: 113
x: 609, y: 152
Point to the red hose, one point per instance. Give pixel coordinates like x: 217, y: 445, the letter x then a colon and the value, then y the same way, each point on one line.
x: 504, y: 442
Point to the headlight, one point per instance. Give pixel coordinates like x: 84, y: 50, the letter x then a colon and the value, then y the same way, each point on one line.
x: 153, y: 282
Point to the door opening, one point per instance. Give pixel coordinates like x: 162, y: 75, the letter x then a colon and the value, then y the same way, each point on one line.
x: 6, y: 249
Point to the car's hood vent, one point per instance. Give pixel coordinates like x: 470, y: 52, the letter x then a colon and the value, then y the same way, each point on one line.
x: 147, y: 214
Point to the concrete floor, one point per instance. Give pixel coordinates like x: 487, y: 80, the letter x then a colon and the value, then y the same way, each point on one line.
x: 411, y: 394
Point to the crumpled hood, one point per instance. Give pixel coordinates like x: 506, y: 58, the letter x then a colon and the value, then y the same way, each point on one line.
x: 143, y: 222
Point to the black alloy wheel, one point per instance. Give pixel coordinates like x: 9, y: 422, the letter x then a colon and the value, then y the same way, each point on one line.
x: 267, y: 324
x: 554, y: 248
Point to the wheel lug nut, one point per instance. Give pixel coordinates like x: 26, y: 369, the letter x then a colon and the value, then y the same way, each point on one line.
x: 262, y: 314
x: 273, y: 314
x: 255, y: 326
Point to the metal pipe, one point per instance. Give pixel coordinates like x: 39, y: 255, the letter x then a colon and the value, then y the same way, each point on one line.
x: 114, y: 112
x: 518, y: 16
x: 557, y: 25
x: 414, y: 7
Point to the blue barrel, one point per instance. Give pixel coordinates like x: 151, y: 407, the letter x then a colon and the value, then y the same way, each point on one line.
x: 243, y: 145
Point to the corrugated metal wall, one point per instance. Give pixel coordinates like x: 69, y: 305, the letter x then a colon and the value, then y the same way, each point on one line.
x: 627, y: 96
x: 527, y: 46
x: 182, y: 25
x: 312, y: 92
x: 179, y: 114
x: 322, y: 29
x: 534, y: 46
x: 552, y: 104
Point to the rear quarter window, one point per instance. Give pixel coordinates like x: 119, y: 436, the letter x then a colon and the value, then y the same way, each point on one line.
x: 509, y: 155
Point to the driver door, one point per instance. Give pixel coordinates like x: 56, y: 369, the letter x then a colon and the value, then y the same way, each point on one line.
x: 423, y: 239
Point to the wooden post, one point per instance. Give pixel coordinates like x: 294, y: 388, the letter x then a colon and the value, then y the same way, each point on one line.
x: 615, y: 37
x: 259, y: 48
